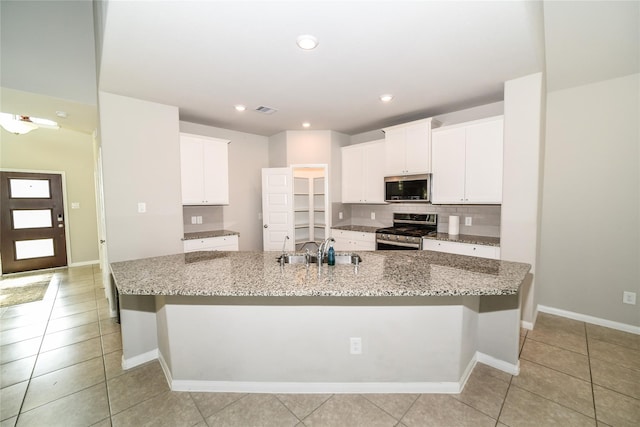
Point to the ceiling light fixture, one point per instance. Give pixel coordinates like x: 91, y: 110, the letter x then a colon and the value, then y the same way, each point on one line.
x: 306, y: 125
x: 386, y: 97
x: 307, y: 42
x: 21, y: 125
x: 240, y: 107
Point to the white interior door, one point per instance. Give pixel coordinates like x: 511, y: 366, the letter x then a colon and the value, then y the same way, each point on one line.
x: 277, y: 209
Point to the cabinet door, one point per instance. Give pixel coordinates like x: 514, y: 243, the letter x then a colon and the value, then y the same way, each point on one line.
x: 417, y: 149
x: 394, y: 152
x: 223, y: 243
x: 341, y: 240
x: 352, y: 174
x: 191, y: 165
x: 483, y: 180
x: 480, y: 251
x: 216, y: 172
x: 373, y: 177
x: 448, y: 164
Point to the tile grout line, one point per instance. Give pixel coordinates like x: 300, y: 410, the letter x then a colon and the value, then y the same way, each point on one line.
x: 35, y: 362
x: 593, y: 394
x: 104, y: 364
x: 508, y: 388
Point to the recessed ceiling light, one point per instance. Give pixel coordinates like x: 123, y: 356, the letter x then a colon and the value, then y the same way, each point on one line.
x: 307, y: 42
x: 386, y: 97
x: 240, y: 107
x: 306, y: 125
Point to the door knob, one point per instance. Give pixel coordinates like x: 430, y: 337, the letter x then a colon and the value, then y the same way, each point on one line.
x: 266, y: 226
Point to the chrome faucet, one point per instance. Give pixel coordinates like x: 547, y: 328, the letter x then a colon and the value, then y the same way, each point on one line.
x: 284, y: 245
x: 322, y: 249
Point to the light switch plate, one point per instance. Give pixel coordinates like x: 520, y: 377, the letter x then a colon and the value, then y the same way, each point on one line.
x: 373, y: 215
x: 468, y: 221
x: 75, y: 205
x: 142, y: 207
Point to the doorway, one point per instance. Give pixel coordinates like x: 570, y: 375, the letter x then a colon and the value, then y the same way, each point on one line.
x: 32, y: 233
x: 295, y: 206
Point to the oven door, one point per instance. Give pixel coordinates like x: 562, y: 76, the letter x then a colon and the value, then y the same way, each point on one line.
x: 385, y: 245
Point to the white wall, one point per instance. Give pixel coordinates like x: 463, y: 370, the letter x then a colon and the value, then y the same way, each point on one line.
x: 248, y: 154
x: 590, y: 235
x: 141, y: 163
x: 522, y: 175
x: 48, y: 48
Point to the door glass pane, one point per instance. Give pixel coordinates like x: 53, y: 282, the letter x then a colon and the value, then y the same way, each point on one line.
x: 31, y: 218
x: 29, y: 188
x: 26, y: 249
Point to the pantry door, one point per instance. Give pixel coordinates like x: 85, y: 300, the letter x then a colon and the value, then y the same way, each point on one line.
x: 32, y: 234
x: 277, y: 209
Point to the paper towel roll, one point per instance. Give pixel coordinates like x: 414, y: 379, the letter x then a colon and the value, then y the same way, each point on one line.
x: 454, y: 225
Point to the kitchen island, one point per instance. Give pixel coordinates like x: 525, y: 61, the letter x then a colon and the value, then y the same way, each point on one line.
x: 400, y: 321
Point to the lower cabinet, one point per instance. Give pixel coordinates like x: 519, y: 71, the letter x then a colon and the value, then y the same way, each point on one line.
x: 224, y: 243
x: 481, y: 251
x: 353, y: 240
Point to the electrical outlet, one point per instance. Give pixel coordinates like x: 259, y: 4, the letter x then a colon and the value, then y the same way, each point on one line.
x: 194, y: 220
x: 142, y: 207
x: 468, y: 221
x: 629, y: 298
x: 355, y: 345
x: 199, y: 219
x: 373, y: 215
x: 339, y: 215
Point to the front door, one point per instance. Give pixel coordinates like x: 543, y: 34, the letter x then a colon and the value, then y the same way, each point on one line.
x: 277, y: 209
x: 32, y: 233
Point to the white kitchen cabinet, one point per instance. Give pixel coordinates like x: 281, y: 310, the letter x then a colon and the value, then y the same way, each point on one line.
x: 347, y: 241
x: 407, y: 148
x: 363, y: 173
x: 223, y: 243
x: 481, y: 251
x: 204, y: 165
x: 467, y: 162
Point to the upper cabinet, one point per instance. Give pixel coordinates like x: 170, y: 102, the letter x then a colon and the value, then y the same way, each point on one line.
x: 363, y: 173
x: 205, y: 170
x: 467, y: 162
x: 408, y: 148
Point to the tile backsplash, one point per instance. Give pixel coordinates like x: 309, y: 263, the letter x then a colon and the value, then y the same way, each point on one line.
x: 212, y: 218
x: 485, y: 218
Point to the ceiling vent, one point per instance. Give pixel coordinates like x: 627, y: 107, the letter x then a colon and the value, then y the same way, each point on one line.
x: 266, y: 110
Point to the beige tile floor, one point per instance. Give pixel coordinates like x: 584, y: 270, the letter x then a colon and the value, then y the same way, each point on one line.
x: 60, y: 366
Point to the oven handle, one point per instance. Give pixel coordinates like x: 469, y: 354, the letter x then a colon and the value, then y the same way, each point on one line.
x: 406, y: 245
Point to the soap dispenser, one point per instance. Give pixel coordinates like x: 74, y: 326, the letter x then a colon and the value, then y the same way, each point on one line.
x: 331, y: 255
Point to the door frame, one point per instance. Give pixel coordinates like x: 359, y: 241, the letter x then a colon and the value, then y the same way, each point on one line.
x: 64, y: 206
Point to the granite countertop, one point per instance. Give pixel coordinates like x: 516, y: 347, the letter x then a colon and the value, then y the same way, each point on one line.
x: 209, y: 234
x: 359, y: 228
x: 380, y: 273
x: 466, y: 238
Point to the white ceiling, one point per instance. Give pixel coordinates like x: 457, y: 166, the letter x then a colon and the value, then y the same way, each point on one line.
x: 207, y: 56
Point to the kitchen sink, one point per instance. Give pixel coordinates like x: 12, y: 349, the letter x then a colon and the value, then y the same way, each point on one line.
x: 341, y: 258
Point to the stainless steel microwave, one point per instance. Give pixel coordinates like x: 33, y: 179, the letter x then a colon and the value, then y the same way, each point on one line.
x: 410, y: 188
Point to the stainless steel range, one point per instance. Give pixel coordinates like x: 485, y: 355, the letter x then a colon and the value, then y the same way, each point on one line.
x: 407, y: 231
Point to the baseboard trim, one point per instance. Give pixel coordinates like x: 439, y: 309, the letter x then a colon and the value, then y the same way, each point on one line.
x: 314, y: 387
x: 509, y: 368
x: 590, y: 319
x: 83, y: 263
x: 526, y: 325
x: 140, y: 359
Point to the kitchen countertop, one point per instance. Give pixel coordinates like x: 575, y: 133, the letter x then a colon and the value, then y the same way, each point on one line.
x: 466, y: 238
x: 358, y: 228
x: 209, y: 234
x: 380, y: 273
